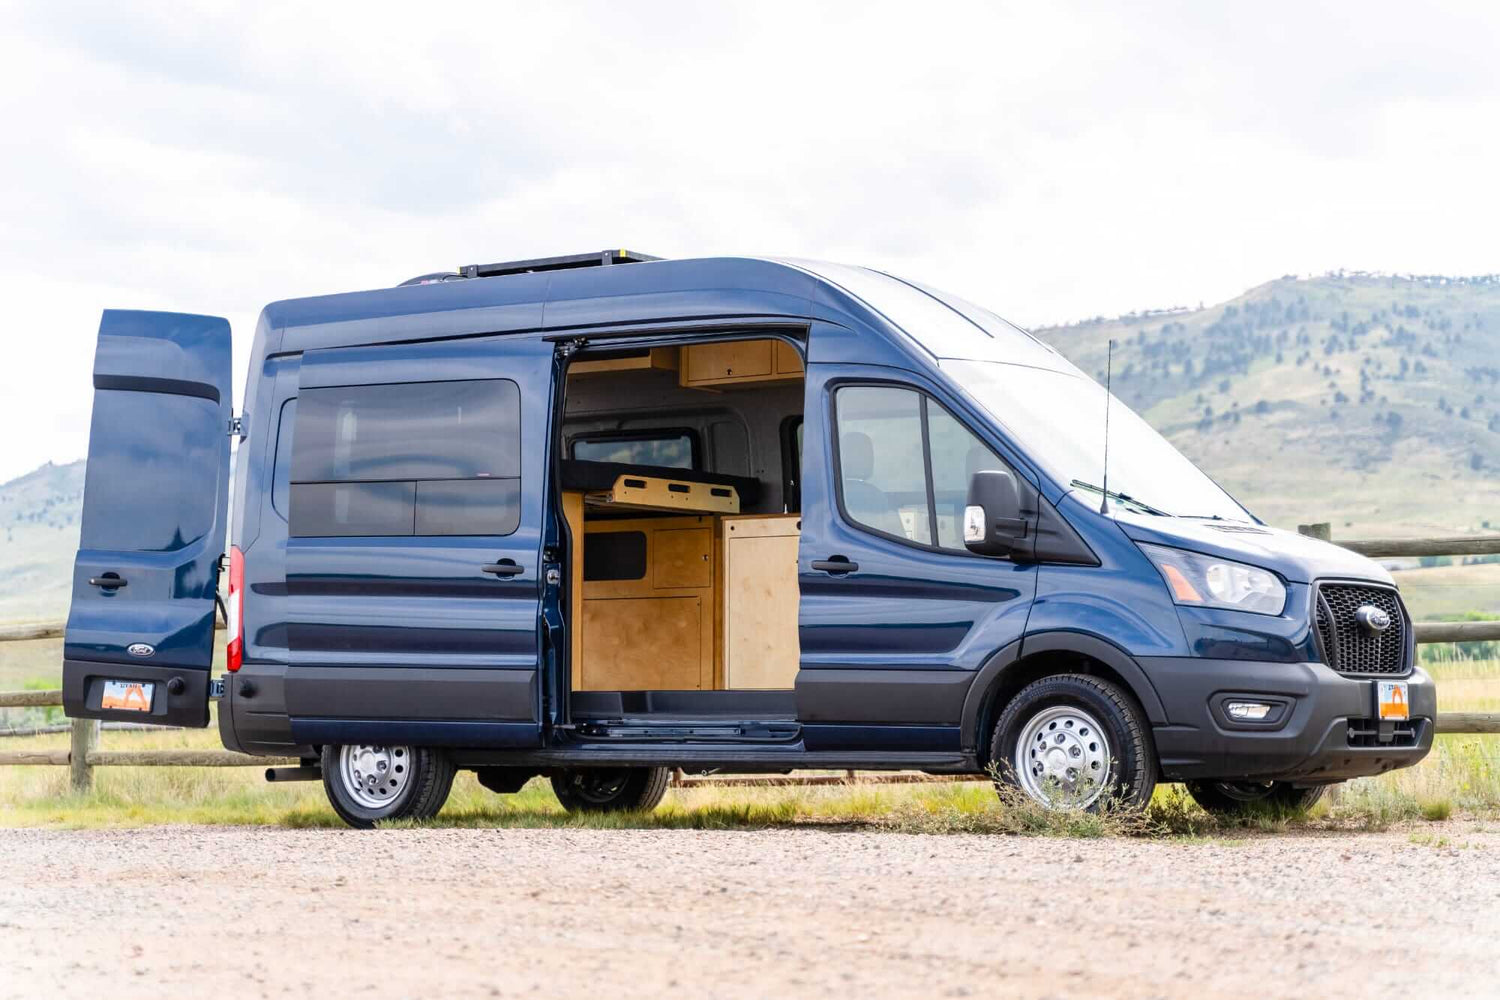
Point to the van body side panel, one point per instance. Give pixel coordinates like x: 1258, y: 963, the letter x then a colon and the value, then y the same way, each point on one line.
x: 898, y: 641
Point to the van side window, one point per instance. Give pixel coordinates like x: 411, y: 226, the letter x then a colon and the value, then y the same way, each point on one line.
x: 423, y: 458
x: 670, y: 448
x: 905, y: 464
x: 281, y: 465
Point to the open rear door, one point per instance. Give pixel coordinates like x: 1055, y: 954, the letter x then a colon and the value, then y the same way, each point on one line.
x: 140, y: 634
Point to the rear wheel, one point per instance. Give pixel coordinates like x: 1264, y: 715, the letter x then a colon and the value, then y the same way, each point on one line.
x: 367, y: 784
x: 610, y: 789
x: 1072, y: 741
x: 1227, y: 798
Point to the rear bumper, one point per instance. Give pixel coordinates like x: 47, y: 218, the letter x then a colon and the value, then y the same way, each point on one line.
x: 1325, y: 730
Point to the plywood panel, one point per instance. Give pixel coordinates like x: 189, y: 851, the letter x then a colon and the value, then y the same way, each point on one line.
x: 761, y: 648
x: 728, y: 359
x: 682, y: 558
x: 644, y: 644
x: 788, y: 361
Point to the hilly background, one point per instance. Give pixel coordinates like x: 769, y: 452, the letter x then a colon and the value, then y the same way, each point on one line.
x: 1366, y: 401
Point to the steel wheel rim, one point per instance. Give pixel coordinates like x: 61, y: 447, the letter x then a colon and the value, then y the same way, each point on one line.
x: 1063, y: 758
x: 374, y: 776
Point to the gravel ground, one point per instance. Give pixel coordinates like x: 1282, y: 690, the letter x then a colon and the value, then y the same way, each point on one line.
x: 187, y: 912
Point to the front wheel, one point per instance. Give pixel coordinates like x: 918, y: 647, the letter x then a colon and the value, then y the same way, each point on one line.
x: 610, y: 789
x: 1228, y: 798
x: 367, y: 784
x: 1073, y: 741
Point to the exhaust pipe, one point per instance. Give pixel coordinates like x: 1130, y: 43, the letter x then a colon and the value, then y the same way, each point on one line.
x: 308, y: 772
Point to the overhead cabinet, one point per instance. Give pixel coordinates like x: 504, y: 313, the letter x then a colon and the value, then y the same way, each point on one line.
x: 736, y: 362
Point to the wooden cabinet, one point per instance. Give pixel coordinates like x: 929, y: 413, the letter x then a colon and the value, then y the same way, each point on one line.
x: 732, y: 362
x: 647, y: 602
x: 760, y: 598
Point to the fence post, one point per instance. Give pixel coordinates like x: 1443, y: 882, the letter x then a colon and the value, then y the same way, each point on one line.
x: 84, y: 739
x: 1323, y: 530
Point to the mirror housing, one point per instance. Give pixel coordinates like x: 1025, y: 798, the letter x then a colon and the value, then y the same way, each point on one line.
x: 993, y: 522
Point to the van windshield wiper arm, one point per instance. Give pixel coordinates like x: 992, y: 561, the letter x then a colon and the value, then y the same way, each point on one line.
x: 1126, y: 497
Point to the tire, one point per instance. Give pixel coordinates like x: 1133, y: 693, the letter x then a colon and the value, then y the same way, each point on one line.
x: 1065, y: 764
x: 610, y: 789
x: 1230, y: 798
x: 408, y: 782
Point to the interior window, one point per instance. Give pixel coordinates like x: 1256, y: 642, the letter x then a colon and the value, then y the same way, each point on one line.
x: 905, y: 464
x: 669, y: 449
x: 881, y: 461
x: 414, y: 458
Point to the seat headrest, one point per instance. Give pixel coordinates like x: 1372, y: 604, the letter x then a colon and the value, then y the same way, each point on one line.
x: 856, y: 455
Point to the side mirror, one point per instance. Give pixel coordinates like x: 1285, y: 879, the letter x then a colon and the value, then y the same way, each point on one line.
x: 993, y: 525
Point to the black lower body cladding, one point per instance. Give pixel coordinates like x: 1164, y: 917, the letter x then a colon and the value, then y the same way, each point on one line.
x: 1323, y: 725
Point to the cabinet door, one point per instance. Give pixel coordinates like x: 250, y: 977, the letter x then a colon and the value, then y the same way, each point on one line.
x: 788, y: 361
x: 730, y: 360
x: 760, y: 603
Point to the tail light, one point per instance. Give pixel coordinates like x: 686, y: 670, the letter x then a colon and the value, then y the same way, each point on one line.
x: 234, y: 619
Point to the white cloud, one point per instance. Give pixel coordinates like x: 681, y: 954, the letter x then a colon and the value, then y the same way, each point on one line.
x: 1052, y: 161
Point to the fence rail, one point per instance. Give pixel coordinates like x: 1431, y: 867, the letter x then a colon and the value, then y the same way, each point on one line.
x: 83, y: 754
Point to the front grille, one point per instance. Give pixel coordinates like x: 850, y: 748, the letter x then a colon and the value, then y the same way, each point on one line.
x: 1349, y: 647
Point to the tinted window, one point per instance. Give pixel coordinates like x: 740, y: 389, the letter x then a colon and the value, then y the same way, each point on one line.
x: 670, y: 449
x: 614, y: 555
x: 905, y: 464
x: 425, y: 458
x: 152, y: 472
x: 881, y: 463
x: 417, y: 430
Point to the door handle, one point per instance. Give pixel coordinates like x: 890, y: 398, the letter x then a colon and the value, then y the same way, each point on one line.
x: 837, y: 565
x: 109, y: 581
x: 505, y: 567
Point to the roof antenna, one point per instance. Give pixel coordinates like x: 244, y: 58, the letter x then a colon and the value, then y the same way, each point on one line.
x: 1109, y: 370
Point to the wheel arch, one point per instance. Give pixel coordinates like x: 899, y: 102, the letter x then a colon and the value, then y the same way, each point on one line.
x: 1041, y: 654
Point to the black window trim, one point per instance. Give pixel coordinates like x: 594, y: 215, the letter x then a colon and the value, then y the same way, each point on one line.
x: 838, y: 466
x: 695, y: 441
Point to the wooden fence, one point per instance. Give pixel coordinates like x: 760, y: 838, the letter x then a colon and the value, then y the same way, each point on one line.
x: 83, y: 753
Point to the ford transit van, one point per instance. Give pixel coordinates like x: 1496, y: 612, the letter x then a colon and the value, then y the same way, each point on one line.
x: 597, y: 517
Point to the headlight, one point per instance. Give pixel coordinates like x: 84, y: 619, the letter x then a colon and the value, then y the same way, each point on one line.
x: 1209, y: 582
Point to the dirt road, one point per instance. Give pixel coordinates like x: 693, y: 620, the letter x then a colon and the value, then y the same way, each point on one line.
x: 185, y: 912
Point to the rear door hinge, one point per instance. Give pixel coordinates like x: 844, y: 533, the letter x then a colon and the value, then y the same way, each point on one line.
x: 568, y: 348
x: 237, y: 427
x: 215, y: 688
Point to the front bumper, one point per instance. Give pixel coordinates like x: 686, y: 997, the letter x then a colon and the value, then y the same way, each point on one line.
x: 1326, y: 730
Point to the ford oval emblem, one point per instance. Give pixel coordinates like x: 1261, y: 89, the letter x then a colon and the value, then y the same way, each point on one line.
x: 140, y: 649
x: 1373, y: 619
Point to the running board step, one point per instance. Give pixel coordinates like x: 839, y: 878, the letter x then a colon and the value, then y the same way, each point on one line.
x: 695, y: 732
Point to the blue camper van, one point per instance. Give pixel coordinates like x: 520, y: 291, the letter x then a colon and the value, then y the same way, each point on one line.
x: 597, y: 517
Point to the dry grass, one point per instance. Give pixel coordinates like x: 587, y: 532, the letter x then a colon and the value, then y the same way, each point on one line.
x: 1461, y: 777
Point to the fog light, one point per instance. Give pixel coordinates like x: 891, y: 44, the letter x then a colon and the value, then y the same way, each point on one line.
x: 1247, y: 711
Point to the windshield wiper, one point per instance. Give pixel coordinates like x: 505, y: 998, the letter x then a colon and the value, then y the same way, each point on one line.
x: 1126, y: 497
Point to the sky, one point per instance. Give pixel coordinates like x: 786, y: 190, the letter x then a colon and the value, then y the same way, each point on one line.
x: 1052, y: 161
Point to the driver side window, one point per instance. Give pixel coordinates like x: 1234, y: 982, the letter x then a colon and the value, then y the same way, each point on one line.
x: 905, y: 463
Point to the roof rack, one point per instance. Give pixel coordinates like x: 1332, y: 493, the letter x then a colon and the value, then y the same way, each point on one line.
x: 600, y: 259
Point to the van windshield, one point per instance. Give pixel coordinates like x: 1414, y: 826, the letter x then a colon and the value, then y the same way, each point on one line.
x: 1057, y: 417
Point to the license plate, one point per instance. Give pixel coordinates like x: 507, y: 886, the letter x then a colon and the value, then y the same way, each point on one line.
x: 1391, y: 700
x: 126, y: 696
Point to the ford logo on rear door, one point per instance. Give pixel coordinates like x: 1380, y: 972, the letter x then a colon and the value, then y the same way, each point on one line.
x: 1373, y: 619
x: 140, y: 649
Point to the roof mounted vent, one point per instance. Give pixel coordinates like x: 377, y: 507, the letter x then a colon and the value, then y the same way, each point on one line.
x: 601, y: 259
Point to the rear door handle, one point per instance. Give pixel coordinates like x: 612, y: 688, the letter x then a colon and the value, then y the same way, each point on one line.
x: 837, y: 565
x: 109, y: 581
x: 505, y: 567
